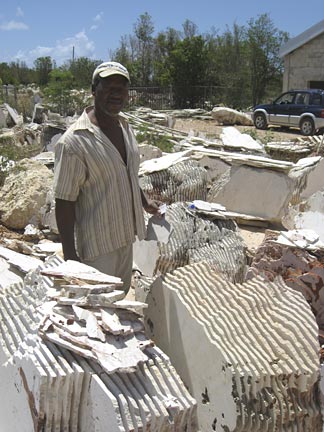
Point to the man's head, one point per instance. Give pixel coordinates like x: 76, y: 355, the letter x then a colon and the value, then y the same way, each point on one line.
x: 110, y: 82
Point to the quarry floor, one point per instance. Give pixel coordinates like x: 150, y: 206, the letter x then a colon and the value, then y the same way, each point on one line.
x: 213, y: 130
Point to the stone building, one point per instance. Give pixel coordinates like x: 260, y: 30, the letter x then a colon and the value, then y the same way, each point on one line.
x: 304, y: 59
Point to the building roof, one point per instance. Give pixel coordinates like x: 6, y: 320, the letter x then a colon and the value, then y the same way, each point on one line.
x: 301, y: 39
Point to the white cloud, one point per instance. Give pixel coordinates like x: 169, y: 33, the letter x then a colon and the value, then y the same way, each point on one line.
x: 19, y: 11
x: 13, y: 25
x: 62, y: 50
x: 98, y: 17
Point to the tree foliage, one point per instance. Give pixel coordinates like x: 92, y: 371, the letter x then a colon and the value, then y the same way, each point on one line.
x: 240, y: 67
x: 58, y: 91
x: 81, y: 69
x: 43, y: 67
x: 263, y: 41
x: 143, y: 30
x: 188, y: 64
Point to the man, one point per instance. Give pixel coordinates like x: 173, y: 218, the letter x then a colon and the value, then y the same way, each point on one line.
x: 99, y: 204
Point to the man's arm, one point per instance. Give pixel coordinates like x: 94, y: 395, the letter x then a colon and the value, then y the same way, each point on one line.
x: 65, y: 219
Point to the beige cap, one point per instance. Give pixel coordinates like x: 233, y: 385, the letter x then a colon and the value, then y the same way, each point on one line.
x: 110, y: 68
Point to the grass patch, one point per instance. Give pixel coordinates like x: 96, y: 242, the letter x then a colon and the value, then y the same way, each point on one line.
x: 144, y: 134
x: 10, y: 152
x: 267, y: 137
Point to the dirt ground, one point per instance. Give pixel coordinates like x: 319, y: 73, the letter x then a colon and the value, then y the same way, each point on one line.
x: 212, y: 130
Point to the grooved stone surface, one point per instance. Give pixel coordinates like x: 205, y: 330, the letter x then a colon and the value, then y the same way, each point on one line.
x: 46, y: 387
x: 247, y: 352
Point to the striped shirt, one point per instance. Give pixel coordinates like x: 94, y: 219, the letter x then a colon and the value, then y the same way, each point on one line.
x: 90, y: 171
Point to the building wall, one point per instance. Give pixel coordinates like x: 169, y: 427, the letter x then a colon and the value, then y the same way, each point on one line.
x: 305, y: 64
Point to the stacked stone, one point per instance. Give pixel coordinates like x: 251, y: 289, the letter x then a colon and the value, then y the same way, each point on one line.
x: 73, y: 361
x: 197, y: 237
x: 183, y: 181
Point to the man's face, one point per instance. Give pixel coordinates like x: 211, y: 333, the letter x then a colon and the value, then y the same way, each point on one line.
x: 111, y: 94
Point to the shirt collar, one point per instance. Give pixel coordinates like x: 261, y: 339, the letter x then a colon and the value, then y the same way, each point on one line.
x: 84, y: 122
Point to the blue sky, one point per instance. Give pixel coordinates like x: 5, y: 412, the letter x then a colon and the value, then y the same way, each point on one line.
x: 32, y: 28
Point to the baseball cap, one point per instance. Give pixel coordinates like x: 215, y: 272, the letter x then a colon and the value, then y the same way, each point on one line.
x: 110, y: 68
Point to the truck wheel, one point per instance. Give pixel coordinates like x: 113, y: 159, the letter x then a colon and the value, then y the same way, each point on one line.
x: 260, y: 121
x: 307, y: 126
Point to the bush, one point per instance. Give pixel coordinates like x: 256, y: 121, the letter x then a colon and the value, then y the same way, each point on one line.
x: 11, y: 153
x: 153, y: 138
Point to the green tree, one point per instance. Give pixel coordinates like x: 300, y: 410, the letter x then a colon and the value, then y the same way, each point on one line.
x: 227, y: 68
x: 58, y: 92
x: 21, y: 72
x: 190, y: 29
x: 188, y: 66
x: 164, y: 44
x: 144, y: 30
x: 241, y: 66
x: 82, y: 69
x: 6, y: 74
x: 43, y: 67
x: 126, y: 55
x: 122, y: 54
x: 264, y: 41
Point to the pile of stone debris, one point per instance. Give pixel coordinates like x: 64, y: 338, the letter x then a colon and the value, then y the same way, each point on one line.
x: 219, y: 336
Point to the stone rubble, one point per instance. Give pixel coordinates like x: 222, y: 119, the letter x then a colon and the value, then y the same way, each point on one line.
x: 24, y: 193
x: 297, y: 265
x: 262, y: 367
x: 229, y: 116
x: 55, y: 382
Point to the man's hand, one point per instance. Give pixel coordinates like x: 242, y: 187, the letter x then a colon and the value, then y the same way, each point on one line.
x: 153, y: 207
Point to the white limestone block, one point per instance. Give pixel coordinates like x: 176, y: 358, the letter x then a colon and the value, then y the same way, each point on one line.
x: 47, y: 387
x: 7, y: 277
x: 23, y: 262
x: 232, y: 137
x: 247, y: 352
x: 24, y: 193
x: 314, y: 182
x: 78, y: 271
x: 260, y: 192
x: 229, y: 116
x: 215, y: 167
x: 163, y: 162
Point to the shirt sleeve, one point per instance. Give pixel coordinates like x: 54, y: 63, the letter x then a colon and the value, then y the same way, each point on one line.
x: 69, y: 172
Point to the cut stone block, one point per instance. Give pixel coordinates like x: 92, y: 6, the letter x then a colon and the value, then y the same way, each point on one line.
x: 229, y: 116
x: 313, y: 179
x: 215, y: 167
x: 20, y: 261
x: 196, y: 237
x: 181, y: 181
x: 260, y: 192
x: 7, y: 277
x: 232, y: 138
x: 247, y: 352
x: 48, y: 388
